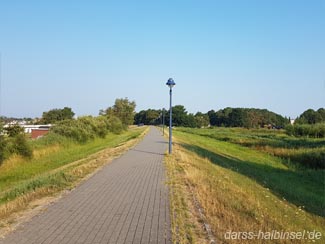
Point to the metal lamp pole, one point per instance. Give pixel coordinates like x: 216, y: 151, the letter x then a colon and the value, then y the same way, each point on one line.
x: 170, y: 83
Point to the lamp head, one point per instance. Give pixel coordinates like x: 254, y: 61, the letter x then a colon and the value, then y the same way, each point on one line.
x: 170, y: 83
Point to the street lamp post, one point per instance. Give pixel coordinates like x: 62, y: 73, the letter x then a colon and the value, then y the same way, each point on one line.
x: 170, y: 83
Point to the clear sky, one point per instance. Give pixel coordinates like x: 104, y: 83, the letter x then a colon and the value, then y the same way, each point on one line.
x: 85, y: 54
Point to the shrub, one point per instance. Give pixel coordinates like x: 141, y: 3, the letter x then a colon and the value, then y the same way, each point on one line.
x: 14, y: 130
x: 19, y: 145
x: 87, y: 128
x: 289, y: 130
x: 2, y: 149
x: 115, y: 125
x: 100, y: 125
x: 313, y: 130
x: 75, y: 129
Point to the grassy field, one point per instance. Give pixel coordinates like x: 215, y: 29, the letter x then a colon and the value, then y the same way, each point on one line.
x: 55, y: 167
x: 241, y: 187
x: 298, y: 152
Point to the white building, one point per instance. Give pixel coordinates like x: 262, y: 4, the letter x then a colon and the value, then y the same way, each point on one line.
x: 29, y: 128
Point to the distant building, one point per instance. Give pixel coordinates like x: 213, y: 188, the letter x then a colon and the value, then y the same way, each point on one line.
x: 292, y: 121
x: 29, y: 128
x: 39, y: 132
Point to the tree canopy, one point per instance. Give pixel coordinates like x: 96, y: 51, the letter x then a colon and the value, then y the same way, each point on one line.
x: 56, y: 115
x: 311, y: 116
x: 180, y: 117
x: 148, y: 117
x: 246, y: 117
x: 228, y: 117
x: 122, y: 109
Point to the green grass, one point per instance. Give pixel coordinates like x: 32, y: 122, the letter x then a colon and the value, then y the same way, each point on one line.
x: 19, y: 176
x: 241, y: 188
x: 300, y: 152
x: 301, y: 187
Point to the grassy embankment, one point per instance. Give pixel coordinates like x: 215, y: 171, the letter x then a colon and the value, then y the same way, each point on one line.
x: 55, y: 167
x: 298, y: 152
x: 241, y: 188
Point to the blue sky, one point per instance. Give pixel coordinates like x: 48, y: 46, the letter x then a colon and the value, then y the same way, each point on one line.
x: 85, y: 54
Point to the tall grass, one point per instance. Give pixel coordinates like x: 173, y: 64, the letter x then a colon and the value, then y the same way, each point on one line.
x: 242, y: 189
x: 300, y: 152
x: 309, y: 130
x: 55, y: 167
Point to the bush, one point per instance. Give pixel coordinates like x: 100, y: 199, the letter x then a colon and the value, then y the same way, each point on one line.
x: 14, y: 143
x: 115, y: 125
x: 289, y: 130
x: 87, y: 128
x: 100, y: 126
x: 19, y: 145
x: 313, y: 130
x: 75, y: 129
x: 2, y: 149
x: 14, y: 130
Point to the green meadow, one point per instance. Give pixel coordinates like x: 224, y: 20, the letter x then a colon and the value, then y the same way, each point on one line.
x: 246, y: 180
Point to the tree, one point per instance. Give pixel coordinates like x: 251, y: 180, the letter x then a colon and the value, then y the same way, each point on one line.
x: 14, y: 130
x: 311, y: 116
x: 56, y: 115
x: 148, y: 117
x: 152, y: 117
x: 252, y: 119
x: 179, y: 115
x: 201, y: 120
x: 140, y: 118
x: 236, y: 117
x: 212, y: 117
x: 122, y: 109
x: 190, y: 121
x: 246, y: 117
x: 321, y: 112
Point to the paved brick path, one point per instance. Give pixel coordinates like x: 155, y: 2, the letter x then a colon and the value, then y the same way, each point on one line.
x: 125, y: 202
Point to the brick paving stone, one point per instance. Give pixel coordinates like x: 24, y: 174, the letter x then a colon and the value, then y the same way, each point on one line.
x: 125, y: 202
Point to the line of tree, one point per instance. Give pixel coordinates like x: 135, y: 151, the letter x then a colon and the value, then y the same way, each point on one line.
x: 311, y: 116
x: 228, y: 117
x: 246, y: 117
x: 236, y: 117
x: 180, y: 117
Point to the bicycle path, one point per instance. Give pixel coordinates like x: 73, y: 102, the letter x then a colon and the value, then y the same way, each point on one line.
x: 125, y: 202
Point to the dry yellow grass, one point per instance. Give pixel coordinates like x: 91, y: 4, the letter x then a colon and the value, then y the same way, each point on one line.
x: 77, y: 171
x: 186, y: 224
x: 16, y: 160
x: 230, y: 201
